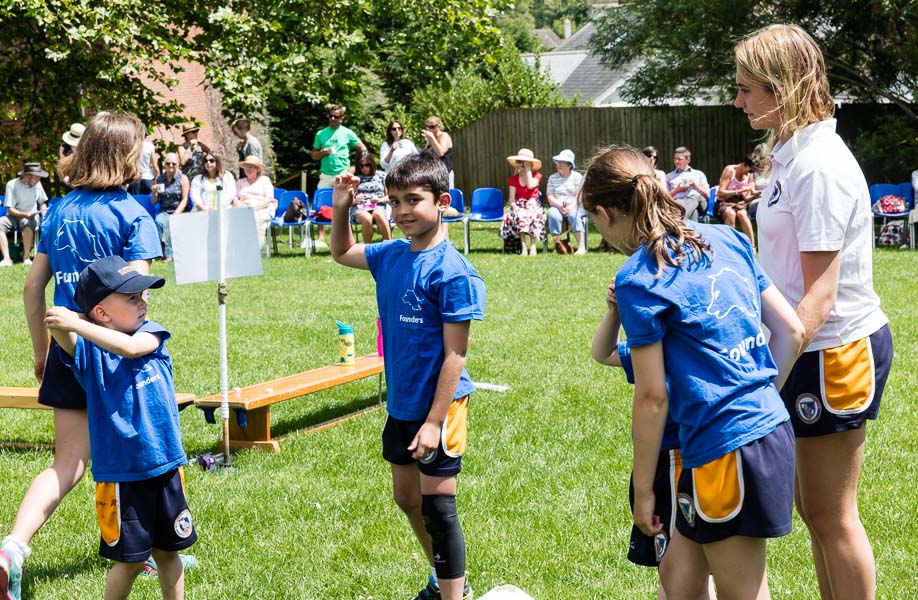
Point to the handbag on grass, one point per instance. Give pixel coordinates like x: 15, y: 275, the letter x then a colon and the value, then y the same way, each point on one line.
x: 564, y: 246
x: 513, y: 245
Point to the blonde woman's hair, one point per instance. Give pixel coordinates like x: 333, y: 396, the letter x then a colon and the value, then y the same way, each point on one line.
x: 786, y: 60
x: 621, y: 178
x: 108, y: 152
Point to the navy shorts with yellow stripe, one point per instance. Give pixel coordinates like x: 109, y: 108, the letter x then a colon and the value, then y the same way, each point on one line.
x: 649, y: 550
x: 838, y: 389
x: 397, y: 435
x: 748, y: 492
x: 137, y: 516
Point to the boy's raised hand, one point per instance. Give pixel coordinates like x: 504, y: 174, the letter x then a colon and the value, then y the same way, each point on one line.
x: 345, y: 190
x: 59, y: 317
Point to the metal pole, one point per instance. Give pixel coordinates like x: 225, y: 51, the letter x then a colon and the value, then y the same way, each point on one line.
x: 221, y: 311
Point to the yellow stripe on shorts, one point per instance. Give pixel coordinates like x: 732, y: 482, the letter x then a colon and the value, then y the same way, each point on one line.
x: 847, y: 377
x: 719, y: 488
x: 108, y: 511
x: 455, y: 428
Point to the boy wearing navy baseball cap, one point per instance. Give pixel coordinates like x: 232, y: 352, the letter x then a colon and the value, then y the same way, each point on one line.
x: 120, y: 359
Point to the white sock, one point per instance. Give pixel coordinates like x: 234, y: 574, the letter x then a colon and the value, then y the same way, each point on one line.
x: 19, y: 550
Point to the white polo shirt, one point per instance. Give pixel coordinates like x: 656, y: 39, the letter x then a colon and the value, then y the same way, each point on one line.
x: 817, y: 200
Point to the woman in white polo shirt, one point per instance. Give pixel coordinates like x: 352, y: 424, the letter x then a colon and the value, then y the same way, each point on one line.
x: 815, y: 229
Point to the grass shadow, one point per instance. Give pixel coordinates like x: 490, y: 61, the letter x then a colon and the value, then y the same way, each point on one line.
x: 289, y: 426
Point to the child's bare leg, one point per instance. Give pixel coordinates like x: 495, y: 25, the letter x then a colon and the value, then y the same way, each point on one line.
x: 738, y: 564
x: 171, y: 574
x: 450, y: 589
x: 684, y: 569
x: 120, y: 579
x: 406, y: 490
x: 382, y: 223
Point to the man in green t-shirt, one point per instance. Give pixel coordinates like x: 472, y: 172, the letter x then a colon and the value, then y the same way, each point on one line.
x: 333, y: 146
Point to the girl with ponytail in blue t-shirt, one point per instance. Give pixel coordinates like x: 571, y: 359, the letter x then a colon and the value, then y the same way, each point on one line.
x: 692, y: 300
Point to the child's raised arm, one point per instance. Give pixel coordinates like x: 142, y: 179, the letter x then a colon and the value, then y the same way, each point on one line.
x: 605, y: 342
x: 343, y: 247
x: 65, y: 325
x: 786, y: 329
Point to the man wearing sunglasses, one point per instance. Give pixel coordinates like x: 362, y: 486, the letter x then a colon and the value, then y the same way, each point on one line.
x: 332, y: 147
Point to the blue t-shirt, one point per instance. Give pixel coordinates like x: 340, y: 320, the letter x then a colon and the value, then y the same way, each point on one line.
x: 670, y: 439
x: 88, y: 224
x: 417, y: 292
x: 708, y: 316
x: 130, y: 402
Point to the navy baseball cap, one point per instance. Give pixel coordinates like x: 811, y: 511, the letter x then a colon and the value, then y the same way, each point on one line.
x: 111, y: 274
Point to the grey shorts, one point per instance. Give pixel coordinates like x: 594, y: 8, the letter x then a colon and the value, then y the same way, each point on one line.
x: 7, y: 224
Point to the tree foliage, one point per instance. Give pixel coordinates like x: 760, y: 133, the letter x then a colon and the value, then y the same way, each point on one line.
x: 870, y: 47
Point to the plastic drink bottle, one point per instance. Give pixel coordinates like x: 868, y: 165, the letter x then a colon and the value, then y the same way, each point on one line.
x: 345, y: 344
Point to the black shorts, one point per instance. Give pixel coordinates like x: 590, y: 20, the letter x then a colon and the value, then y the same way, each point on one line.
x: 838, y: 389
x: 644, y: 549
x: 137, y: 516
x: 447, y: 461
x: 748, y: 492
x: 59, y: 387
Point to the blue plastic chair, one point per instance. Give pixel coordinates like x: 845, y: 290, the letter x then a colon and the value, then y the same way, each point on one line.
x: 144, y: 201
x: 278, y: 192
x: 907, y: 191
x: 487, y: 207
x: 278, y: 221
x: 457, y: 201
x: 321, y: 197
x: 708, y: 215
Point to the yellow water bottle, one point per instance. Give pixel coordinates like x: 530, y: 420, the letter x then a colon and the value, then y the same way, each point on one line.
x: 345, y: 344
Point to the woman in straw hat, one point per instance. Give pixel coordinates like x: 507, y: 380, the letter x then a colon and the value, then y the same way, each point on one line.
x: 71, y: 140
x: 256, y: 191
x: 191, y: 152
x: 525, y: 216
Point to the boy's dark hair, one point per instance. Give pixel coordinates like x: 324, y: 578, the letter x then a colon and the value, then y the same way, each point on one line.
x: 424, y: 169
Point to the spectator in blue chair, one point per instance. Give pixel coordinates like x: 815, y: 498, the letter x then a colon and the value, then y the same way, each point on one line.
x: 171, y: 193
x: 26, y: 203
x: 735, y: 191
x: 563, y: 187
x: 213, y: 186
x: 525, y: 217
x: 687, y: 186
x: 371, y: 204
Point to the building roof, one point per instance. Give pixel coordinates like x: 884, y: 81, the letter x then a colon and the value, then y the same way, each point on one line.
x: 548, y: 38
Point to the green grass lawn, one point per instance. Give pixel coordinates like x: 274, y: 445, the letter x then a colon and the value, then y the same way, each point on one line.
x: 543, y: 493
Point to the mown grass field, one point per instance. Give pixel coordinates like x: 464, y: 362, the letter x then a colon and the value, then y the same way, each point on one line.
x: 543, y: 492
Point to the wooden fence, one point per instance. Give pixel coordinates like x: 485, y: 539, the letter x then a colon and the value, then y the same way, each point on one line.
x: 716, y: 135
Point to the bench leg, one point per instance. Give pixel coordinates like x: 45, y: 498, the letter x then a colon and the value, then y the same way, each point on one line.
x: 257, y: 434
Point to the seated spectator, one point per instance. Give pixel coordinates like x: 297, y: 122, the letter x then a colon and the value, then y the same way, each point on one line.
x: 651, y: 153
x: 256, y: 191
x: 170, y: 191
x: 214, y: 184
x: 147, y: 168
x: 26, y: 203
x: 248, y: 145
x: 687, y: 186
x: 371, y: 204
x: 736, y: 189
x: 396, y: 146
x: 525, y: 217
x: 562, y: 199
x: 760, y: 177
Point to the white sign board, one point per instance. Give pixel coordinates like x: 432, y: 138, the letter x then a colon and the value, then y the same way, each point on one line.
x: 196, y: 241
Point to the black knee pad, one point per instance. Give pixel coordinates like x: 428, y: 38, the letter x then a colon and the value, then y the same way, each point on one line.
x: 442, y: 523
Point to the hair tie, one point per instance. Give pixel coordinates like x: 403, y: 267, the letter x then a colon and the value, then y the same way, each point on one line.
x: 634, y: 181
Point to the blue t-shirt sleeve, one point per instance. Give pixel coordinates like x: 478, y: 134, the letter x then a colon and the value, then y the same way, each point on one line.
x: 642, y: 312
x: 78, y: 361
x: 156, y: 329
x: 142, y: 239
x: 462, y: 298
x: 624, y: 354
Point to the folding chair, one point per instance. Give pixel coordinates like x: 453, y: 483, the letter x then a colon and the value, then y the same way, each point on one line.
x: 907, y: 191
x: 487, y: 207
x: 278, y: 221
x: 322, y: 197
x: 877, y: 191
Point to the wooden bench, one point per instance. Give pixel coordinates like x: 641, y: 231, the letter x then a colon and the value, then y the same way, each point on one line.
x: 26, y: 397
x: 252, y: 404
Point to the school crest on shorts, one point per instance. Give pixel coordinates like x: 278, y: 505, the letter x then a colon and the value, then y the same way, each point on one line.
x: 183, y: 525
x: 659, y: 545
x: 687, y: 507
x: 809, y: 408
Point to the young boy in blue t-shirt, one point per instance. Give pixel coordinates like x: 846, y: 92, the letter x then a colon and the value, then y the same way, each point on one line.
x: 427, y: 295
x: 121, y: 361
